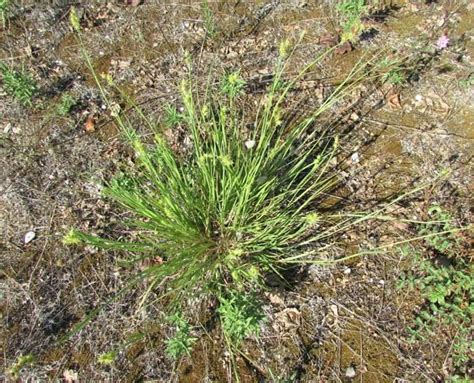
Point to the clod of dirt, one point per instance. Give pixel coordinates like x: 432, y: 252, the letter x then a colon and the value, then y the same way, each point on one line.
x: 90, y: 125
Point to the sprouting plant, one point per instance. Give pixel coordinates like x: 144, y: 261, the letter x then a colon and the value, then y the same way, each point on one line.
x: 66, y: 104
x: 4, y: 5
x: 172, y: 116
x: 22, y: 361
x: 351, y: 11
x: 107, y: 358
x: 445, y: 242
x: 181, y: 342
x: 240, y: 315
x: 208, y: 19
x: 232, y: 84
x: 18, y: 84
x: 467, y: 82
x: 447, y: 291
x: 394, y: 77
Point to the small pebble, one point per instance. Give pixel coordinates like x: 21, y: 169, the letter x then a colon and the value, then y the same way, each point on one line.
x: 249, y: 144
x: 29, y: 237
x: 347, y: 271
x: 350, y: 372
x: 355, y: 158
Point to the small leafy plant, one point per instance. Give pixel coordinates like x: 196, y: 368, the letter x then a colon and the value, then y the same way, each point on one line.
x: 240, y: 315
x: 181, y: 342
x: 441, y: 235
x: 232, y: 84
x: 66, y: 104
x: 447, y: 291
x: 107, y: 358
x: 18, y: 84
x: 4, y: 5
x: 172, y: 116
x: 351, y: 12
x: 22, y: 361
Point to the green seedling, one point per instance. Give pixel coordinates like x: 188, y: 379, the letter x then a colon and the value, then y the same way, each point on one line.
x: 351, y: 12
x: 240, y: 315
x: 181, y: 342
x: 208, y: 19
x: 18, y: 84
x: 22, y: 362
x: 65, y: 105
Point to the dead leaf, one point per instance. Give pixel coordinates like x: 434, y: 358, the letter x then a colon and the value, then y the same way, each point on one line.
x: 289, y: 318
x: 133, y: 3
x: 328, y: 40
x: 90, y: 125
x: 393, y: 99
x: 344, y: 48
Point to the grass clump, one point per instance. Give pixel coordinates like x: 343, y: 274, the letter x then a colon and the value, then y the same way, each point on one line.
x: 238, y: 203
x: 18, y: 84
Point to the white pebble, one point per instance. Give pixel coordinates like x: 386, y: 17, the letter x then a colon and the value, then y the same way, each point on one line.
x: 249, y: 144
x: 29, y: 237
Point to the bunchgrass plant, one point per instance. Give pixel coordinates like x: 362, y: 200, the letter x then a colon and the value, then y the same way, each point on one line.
x: 238, y: 203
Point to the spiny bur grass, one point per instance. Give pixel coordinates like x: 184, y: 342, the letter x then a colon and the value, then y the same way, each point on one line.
x: 237, y: 205
x: 18, y: 84
x: 227, y: 212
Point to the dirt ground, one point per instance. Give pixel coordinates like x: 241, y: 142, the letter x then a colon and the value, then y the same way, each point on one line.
x: 339, y: 323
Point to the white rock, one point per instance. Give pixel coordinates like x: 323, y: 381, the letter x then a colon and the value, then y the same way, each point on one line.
x: 350, y: 372
x: 347, y: 271
x: 355, y: 158
x: 249, y: 144
x: 29, y: 237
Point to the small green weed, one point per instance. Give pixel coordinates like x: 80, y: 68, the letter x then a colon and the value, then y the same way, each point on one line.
x: 66, y: 104
x: 447, y: 291
x: 208, y: 19
x: 351, y: 12
x: 22, y: 361
x: 18, y: 84
x: 240, y: 315
x: 446, y: 241
x: 182, y: 341
x: 232, y: 84
x: 4, y: 5
x: 107, y: 358
x: 172, y: 116
x: 467, y: 82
